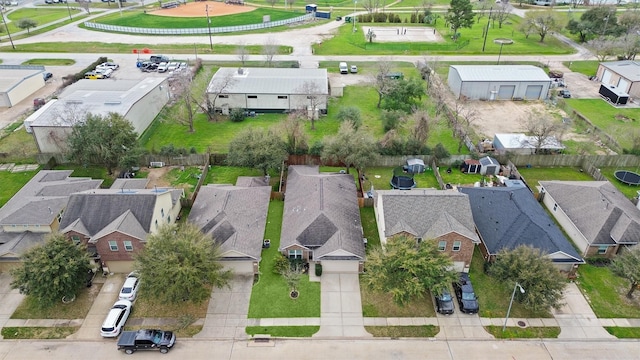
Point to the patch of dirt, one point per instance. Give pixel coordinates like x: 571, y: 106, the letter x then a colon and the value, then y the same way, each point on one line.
x: 199, y: 9
x: 157, y: 176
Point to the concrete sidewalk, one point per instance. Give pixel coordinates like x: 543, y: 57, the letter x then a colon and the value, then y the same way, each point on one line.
x: 576, y: 318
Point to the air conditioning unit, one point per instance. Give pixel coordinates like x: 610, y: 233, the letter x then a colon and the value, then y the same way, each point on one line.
x: 156, y: 164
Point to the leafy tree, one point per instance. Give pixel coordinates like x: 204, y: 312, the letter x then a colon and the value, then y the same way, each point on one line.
x: 292, y: 276
x: 627, y: 265
x: 391, y: 119
x: 27, y: 24
x: 542, y: 22
x: 351, y: 114
x: 459, y: 15
x: 408, y: 269
x: 440, y: 152
x: 237, y: 115
x: 102, y: 141
x: 351, y: 147
x: 51, y: 271
x: 259, y: 148
x: 404, y: 95
x: 535, y: 272
x: 597, y: 21
x: 180, y: 263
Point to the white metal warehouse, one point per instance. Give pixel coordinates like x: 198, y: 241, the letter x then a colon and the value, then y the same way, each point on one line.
x: 499, y: 82
x: 625, y: 75
x: 269, y: 89
x: 17, y: 82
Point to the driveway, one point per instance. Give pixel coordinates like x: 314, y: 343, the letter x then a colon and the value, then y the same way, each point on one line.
x: 576, y: 319
x: 90, y: 329
x: 10, y: 299
x: 228, y: 310
x: 341, y: 307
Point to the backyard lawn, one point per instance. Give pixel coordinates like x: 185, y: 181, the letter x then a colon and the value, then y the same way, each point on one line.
x: 270, y: 295
x: 629, y: 191
x: 17, y: 146
x: 380, y: 178
x: 11, y: 183
x: 606, y: 293
x: 534, y: 174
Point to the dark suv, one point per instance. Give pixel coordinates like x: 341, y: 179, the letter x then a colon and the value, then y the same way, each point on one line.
x: 444, y: 302
x: 466, y: 297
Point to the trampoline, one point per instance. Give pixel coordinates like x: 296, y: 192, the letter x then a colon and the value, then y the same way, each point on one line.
x: 627, y: 177
x: 402, y: 180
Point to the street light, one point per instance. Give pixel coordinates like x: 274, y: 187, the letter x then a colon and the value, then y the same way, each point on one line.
x: 209, y: 25
x: 511, y: 303
x: 353, y: 18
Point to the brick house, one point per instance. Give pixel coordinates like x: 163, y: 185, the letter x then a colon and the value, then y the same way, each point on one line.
x: 508, y: 217
x: 115, y: 223
x: 35, y: 211
x: 441, y: 216
x: 599, y: 219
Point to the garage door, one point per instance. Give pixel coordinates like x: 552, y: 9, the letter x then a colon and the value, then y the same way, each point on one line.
x: 458, y: 266
x: 506, y: 92
x: 533, y: 92
x: 239, y: 267
x: 606, y: 77
x: 623, y: 85
x: 340, y: 266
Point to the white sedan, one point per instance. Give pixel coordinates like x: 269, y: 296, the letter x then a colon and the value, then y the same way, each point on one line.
x: 129, y: 290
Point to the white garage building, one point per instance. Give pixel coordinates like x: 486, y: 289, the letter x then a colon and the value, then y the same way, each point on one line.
x: 269, y: 89
x: 625, y: 75
x: 17, y: 82
x: 139, y: 101
x: 499, y: 82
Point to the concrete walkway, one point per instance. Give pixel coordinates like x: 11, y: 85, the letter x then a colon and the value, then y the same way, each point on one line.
x: 576, y: 319
x: 341, y: 307
x: 227, y: 311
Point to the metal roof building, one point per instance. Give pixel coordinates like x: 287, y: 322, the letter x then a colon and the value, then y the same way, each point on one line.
x: 139, y: 101
x: 498, y: 82
x: 269, y: 89
x: 17, y: 82
x: 625, y: 75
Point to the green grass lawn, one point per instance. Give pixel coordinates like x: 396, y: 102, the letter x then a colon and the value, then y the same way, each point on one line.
x: 377, y: 304
x: 40, y: 15
x: 457, y: 177
x: 370, y: 228
x: 535, y: 174
x: 229, y: 174
x: 587, y: 67
x: 347, y: 42
x: 11, y: 183
x: 186, y: 179
x: 17, y: 146
x: 50, y: 62
x: 29, y: 308
x: 629, y: 191
x: 37, y: 332
x: 422, y: 331
x: 144, y: 20
x: 606, y: 293
x: 624, y: 332
x: 549, y: 332
x: 270, y: 295
x: 381, y: 176
x: 619, y: 123
x: 283, y: 331
x: 494, y: 296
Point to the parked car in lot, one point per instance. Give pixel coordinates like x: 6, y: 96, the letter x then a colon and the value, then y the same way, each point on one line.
x: 108, y: 65
x: 146, y: 339
x: 47, y: 75
x: 116, y: 318
x: 444, y: 302
x: 354, y: 69
x: 93, y: 75
x: 466, y: 296
x: 565, y: 93
x: 129, y: 290
x: 163, y: 66
x: 106, y: 73
x: 148, y: 66
x: 172, y: 66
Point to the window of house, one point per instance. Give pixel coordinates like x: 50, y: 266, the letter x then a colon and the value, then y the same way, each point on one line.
x: 252, y: 96
x: 156, y: 224
x: 418, y: 240
x: 128, y: 246
x: 602, y: 249
x: 162, y: 212
x: 75, y: 239
x: 169, y: 218
x: 60, y: 217
x: 555, y: 206
x: 457, y: 245
x: 223, y: 96
x: 442, y: 245
x: 295, y: 254
x: 282, y: 97
x: 113, y: 246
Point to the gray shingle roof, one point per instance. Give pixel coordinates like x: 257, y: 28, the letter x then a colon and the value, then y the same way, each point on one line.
x: 40, y: 200
x: 130, y: 184
x: 602, y: 213
x: 427, y: 213
x: 235, y: 216
x: 507, y: 217
x: 321, y: 212
x: 97, y: 211
x: 13, y: 245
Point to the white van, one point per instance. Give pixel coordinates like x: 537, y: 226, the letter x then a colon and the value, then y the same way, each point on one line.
x: 344, y: 69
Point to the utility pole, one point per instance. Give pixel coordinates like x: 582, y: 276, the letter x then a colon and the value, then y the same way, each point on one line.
x: 7, y: 28
x: 209, y: 25
x: 486, y: 33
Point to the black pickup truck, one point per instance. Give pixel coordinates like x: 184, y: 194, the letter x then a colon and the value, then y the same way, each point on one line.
x: 147, y: 339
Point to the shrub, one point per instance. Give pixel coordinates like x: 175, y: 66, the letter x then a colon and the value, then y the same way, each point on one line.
x: 350, y: 113
x: 237, y: 115
x: 391, y: 119
x: 281, y: 264
x: 318, y: 269
x: 440, y: 152
x: 598, y: 261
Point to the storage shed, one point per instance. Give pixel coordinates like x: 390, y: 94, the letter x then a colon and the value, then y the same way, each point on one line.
x: 470, y: 166
x: 489, y: 166
x: 625, y: 75
x: 415, y: 166
x: 499, y: 82
x: 17, y: 82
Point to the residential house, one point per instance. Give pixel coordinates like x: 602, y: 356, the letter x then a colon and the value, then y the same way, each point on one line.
x: 321, y: 220
x: 508, y: 217
x: 35, y: 211
x: 235, y: 217
x: 597, y: 217
x: 115, y: 223
x: 441, y: 216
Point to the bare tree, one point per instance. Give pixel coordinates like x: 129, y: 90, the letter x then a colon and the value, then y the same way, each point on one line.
x: 242, y: 53
x: 269, y: 50
x: 370, y: 5
x: 382, y: 82
x: 216, y: 88
x: 296, y: 139
x: 85, y: 5
x: 290, y: 3
x: 543, y: 22
x: 421, y: 127
x: 272, y: 2
x: 628, y: 46
x: 603, y: 47
x: 501, y: 13
x: 314, y: 97
x: 462, y: 118
x: 543, y: 128
x: 184, y: 111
